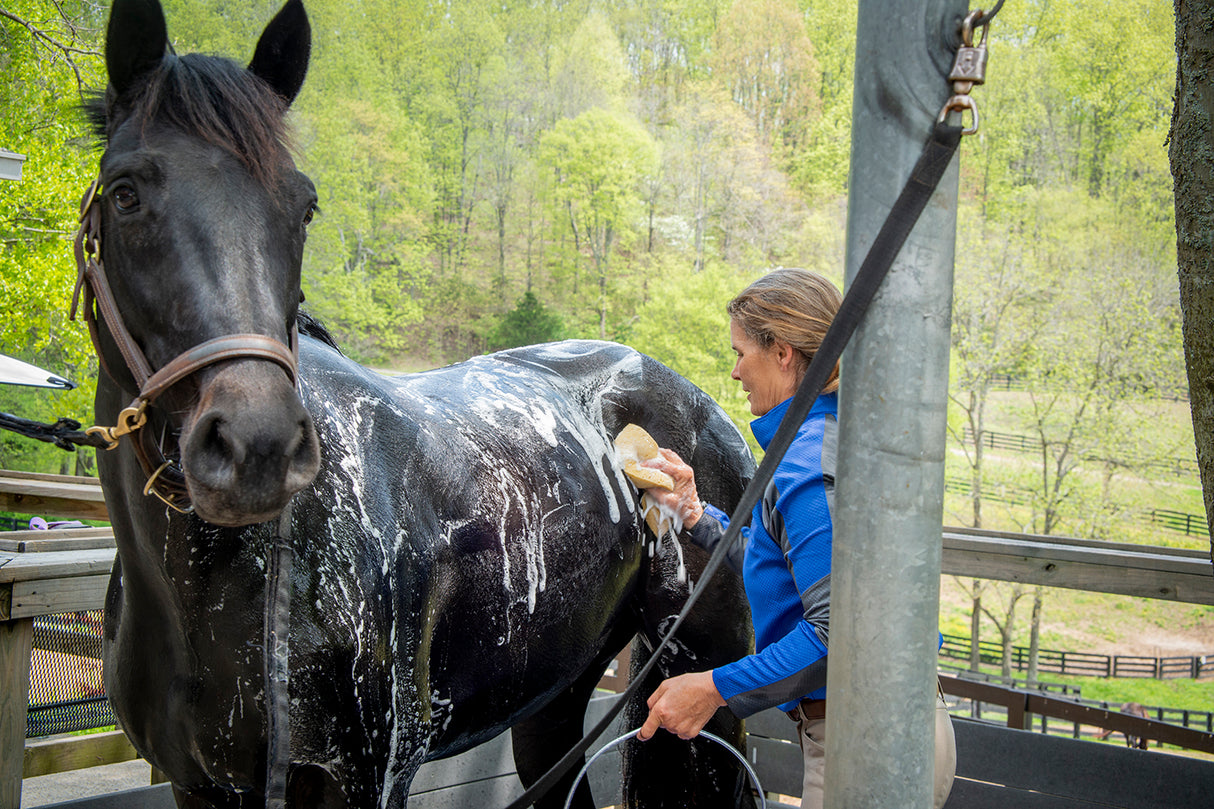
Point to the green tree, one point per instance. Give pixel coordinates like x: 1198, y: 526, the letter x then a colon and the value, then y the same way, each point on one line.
x: 666, y: 43
x: 530, y: 322
x: 1117, y: 62
x: 764, y: 57
x: 589, y: 70
x: 49, y: 54
x: 365, y: 270
x: 1000, y: 303
x: 597, y: 161
x: 465, y: 46
x: 819, y: 167
x: 683, y: 323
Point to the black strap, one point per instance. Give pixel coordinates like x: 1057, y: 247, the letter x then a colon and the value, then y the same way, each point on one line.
x: 937, y: 153
x: 276, y: 662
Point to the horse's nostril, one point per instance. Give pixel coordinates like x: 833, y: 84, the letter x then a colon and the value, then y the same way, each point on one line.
x: 220, y: 446
x: 224, y: 442
x: 208, y: 455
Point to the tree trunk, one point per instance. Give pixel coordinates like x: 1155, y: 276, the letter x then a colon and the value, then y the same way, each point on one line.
x: 1191, y: 155
x: 1005, y: 640
x: 976, y: 626
x: 1035, y: 634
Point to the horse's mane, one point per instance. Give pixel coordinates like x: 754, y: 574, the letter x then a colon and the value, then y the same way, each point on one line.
x: 210, y: 97
x: 311, y: 326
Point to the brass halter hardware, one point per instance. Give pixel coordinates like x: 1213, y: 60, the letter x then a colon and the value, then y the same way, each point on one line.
x: 129, y: 420
x: 168, y: 499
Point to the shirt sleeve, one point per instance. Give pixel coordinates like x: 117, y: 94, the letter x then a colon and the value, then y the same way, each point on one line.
x: 710, y: 529
x: 781, y: 674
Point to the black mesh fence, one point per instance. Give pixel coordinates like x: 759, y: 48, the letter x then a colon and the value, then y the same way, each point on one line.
x: 66, y: 689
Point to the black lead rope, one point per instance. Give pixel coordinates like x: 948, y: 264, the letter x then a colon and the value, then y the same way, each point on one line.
x: 276, y: 662
x: 934, y: 160
x: 64, y: 433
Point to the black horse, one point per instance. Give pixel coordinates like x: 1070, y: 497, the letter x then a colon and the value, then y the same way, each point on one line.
x: 467, y: 552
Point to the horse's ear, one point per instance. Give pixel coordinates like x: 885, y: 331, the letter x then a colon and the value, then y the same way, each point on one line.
x: 281, y: 58
x: 135, y: 41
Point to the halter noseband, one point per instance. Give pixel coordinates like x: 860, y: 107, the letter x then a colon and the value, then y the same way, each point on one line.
x: 166, y: 479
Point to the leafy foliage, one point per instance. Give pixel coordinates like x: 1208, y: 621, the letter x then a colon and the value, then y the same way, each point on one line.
x: 47, y: 59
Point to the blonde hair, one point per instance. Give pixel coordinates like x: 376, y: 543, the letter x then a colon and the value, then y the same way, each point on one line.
x: 794, y: 306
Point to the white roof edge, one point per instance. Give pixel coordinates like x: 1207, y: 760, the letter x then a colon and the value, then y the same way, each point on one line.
x: 10, y: 164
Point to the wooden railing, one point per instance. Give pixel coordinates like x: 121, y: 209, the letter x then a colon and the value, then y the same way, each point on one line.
x: 47, y: 573
x: 63, y: 496
x: 1120, y: 568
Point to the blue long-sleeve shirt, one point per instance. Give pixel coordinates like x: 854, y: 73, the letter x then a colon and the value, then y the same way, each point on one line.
x: 785, y: 564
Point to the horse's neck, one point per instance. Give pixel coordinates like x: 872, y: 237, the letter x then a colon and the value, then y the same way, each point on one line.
x: 168, y: 556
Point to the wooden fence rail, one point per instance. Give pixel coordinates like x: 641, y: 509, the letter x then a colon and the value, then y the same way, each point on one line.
x: 1085, y: 664
x: 63, y: 496
x: 977, y: 708
x: 1020, y: 705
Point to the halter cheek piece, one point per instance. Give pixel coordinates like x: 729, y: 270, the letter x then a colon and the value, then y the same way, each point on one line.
x: 166, y: 479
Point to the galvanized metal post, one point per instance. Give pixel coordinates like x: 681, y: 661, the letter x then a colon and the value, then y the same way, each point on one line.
x: 885, y: 582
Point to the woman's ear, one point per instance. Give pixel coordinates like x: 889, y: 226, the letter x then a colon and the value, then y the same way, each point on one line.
x: 786, y: 355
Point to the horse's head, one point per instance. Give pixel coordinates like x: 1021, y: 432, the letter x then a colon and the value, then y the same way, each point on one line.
x: 201, y: 218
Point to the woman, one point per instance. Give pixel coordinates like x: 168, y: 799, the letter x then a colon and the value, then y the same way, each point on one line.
x: 776, y: 326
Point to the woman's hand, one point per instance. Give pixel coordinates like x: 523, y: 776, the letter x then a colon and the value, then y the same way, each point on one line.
x: 682, y: 705
x: 684, y: 500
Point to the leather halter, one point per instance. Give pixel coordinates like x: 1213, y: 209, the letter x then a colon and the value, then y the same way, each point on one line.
x: 166, y: 478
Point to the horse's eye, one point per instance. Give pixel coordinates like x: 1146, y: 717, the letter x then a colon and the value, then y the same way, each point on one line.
x: 310, y: 214
x: 125, y: 198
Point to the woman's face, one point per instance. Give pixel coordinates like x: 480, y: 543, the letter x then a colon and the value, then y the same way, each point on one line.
x: 768, y: 375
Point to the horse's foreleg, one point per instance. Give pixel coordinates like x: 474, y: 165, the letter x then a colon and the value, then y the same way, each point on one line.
x: 541, y: 740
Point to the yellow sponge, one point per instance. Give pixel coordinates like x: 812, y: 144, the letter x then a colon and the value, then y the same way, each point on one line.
x: 634, y: 445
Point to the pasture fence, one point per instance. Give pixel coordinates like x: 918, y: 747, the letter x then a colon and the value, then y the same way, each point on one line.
x: 1014, y: 384
x: 1084, y: 664
x: 1188, y: 524
x: 1016, y: 442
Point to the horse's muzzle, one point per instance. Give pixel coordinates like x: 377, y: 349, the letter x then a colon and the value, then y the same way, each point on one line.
x: 249, y: 446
